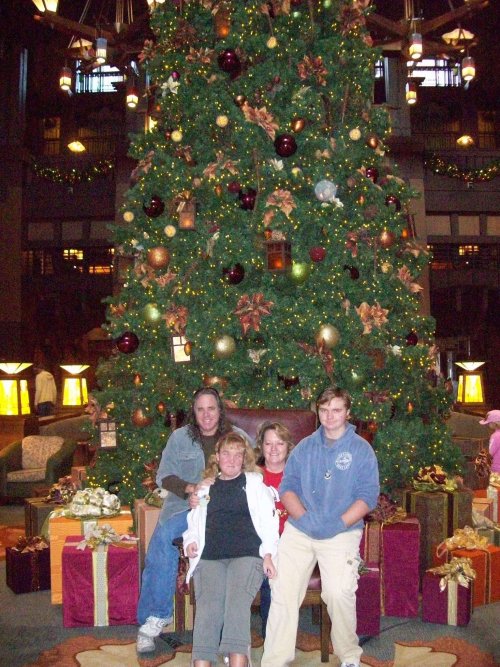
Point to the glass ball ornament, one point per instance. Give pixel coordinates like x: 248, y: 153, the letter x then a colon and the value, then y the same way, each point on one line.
x: 224, y: 346
x: 386, y: 238
x: 272, y: 42
x: 412, y: 338
x: 392, y: 200
x: 386, y: 267
x: 234, y: 274
x: 151, y: 314
x: 175, y: 75
x: 176, y: 136
x: 325, y: 190
x: 372, y: 141
x: 188, y: 348
x: 328, y: 335
x: 222, y: 121
x: 299, y: 272
x: 128, y: 216
x: 158, y: 257
x: 297, y: 124
x: 234, y: 187
x: 170, y: 231
x: 285, y: 145
x: 127, y: 342
x: 353, y: 271
x: 247, y: 199
x: 155, y: 207
x: 372, y: 174
x: 355, y: 134
x: 228, y: 61
x: 239, y: 100
x: 317, y: 254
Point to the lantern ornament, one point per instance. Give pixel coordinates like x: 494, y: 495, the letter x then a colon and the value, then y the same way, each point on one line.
x: 14, y: 395
x: 75, y: 392
x: 278, y: 255
x: 107, y: 433
x: 411, y: 92
x: 101, y: 50
x: 132, y: 98
x: 415, y: 47
x: 468, y: 68
x: 180, y: 348
x: 65, y: 78
x: 187, y: 214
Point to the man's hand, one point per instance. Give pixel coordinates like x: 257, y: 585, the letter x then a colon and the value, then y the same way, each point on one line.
x: 269, y: 568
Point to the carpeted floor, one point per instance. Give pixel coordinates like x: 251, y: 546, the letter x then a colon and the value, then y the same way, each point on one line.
x: 32, y: 635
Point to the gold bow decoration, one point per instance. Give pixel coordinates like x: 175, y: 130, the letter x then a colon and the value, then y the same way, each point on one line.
x: 371, y: 316
x: 433, y: 478
x: 182, y: 200
x: 251, y: 309
x: 405, y: 277
x: 30, y: 544
x: 143, y: 166
x: 202, y: 56
x: 495, y: 479
x: 145, y: 273
x: 176, y: 318
x: 458, y: 569
x: 262, y: 118
x: 323, y: 352
x: 221, y: 163
x: 463, y: 538
x: 278, y: 7
x: 151, y: 468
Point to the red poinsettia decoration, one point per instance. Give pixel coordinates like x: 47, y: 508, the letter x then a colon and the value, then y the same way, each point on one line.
x: 251, y: 309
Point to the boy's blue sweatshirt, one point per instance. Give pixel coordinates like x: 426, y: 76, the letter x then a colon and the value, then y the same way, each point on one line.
x: 328, y: 479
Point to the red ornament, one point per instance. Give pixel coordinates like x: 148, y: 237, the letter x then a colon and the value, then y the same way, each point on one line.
x: 372, y: 174
x: 161, y: 407
x: 247, y: 199
x: 175, y: 75
x: 154, y: 208
x: 127, y: 343
x: 285, y: 145
x: 234, y: 187
x: 317, y: 254
x: 229, y: 62
x: 392, y: 200
x: 353, y: 271
x: 140, y: 418
x: 412, y: 338
x: 234, y: 274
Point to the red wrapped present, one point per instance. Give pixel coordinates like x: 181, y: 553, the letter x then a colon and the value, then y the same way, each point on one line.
x: 28, y: 565
x: 394, y: 548
x: 451, y: 606
x: 100, y: 586
x: 368, y: 603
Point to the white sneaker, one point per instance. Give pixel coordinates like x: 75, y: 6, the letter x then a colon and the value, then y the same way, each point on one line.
x: 145, y: 644
x: 350, y: 664
x: 148, y: 631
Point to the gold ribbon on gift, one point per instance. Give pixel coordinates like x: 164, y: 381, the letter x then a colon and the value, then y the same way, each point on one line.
x: 495, y: 479
x: 462, y: 538
x: 458, y: 570
x: 452, y: 613
x: 100, y: 583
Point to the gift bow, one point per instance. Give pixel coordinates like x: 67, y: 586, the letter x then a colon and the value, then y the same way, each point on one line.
x: 463, y: 538
x: 30, y: 544
x: 433, y: 478
x: 458, y: 569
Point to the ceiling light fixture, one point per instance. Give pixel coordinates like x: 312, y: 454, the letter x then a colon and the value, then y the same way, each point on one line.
x: 65, y: 78
x: 468, y: 68
x: 415, y: 48
x: 46, y: 5
x: 76, y: 146
x: 465, y: 141
x: 101, y: 50
x: 411, y: 92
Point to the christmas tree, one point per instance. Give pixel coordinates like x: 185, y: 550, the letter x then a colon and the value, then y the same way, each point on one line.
x: 267, y: 237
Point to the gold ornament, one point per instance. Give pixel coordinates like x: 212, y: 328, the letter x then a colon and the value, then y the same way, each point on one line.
x: 140, y: 418
x: 372, y: 141
x: 272, y: 43
x: 225, y: 346
x: 161, y: 407
x: 386, y: 238
x: 128, y: 216
x: 218, y: 189
x: 296, y: 172
x: 297, y: 124
x: 158, y: 257
x: 355, y: 134
x: 328, y: 335
x: 240, y: 100
x: 214, y: 380
x: 188, y: 348
x: 222, y: 120
x: 176, y: 136
x: 170, y: 231
x: 386, y: 267
x: 137, y: 379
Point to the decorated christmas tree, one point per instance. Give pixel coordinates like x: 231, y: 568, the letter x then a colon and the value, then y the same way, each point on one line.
x: 268, y: 238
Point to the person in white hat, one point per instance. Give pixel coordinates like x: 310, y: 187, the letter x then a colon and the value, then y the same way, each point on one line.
x: 493, y: 421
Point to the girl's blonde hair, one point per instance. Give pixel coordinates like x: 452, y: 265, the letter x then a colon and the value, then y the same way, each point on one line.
x: 236, y: 441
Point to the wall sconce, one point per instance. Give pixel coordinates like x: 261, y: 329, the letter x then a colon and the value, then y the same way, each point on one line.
x: 46, y: 5
x: 415, y: 48
x: 187, y: 213
x: 470, y: 383
x: 101, y: 48
x: 468, y: 68
x: 74, y: 386
x: 132, y: 98
x: 107, y: 434
x: 14, y: 395
x: 65, y: 78
x: 76, y: 146
x: 278, y: 255
x: 181, y: 349
x: 411, y: 92
x: 465, y: 141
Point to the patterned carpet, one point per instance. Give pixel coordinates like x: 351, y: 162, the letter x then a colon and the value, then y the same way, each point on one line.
x: 91, y: 652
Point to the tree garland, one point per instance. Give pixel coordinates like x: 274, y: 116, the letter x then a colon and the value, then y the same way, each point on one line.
x: 72, y: 176
x: 439, y: 166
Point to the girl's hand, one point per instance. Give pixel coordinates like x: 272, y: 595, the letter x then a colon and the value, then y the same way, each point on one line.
x: 269, y: 569
x: 192, y: 550
x: 204, y: 482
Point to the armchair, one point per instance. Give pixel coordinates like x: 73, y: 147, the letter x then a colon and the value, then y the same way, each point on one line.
x: 34, y: 461
x: 299, y: 422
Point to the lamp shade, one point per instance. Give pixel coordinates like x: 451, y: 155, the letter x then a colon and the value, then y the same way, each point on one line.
x: 101, y: 50
x: 470, y: 383
x: 75, y: 392
x: 468, y: 68
x: 65, y: 77
x: 14, y: 395
x: 46, y: 5
x: 76, y: 146
x: 415, y: 48
x: 132, y: 98
x: 411, y: 92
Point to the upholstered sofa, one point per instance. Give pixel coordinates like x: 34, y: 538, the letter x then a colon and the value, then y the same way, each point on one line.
x: 40, y: 460
x: 299, y: 422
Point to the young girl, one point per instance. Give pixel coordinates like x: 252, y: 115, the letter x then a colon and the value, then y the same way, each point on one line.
x: 231, y: 539
x: 275, y: 444
x: 493, y: 421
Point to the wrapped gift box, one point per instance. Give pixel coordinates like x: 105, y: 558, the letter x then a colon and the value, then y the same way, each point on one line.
x: 146, y: 518
x: 493, y: 493
x: 487, y: 567
x: 27, y: 571
x: 453, y: 606
x: 78, y: 476
x: 439, y: 514
x: 470, y: 447
x: 36, y: 511
x: 480, y: 493
x: 394, y: 548
x: 60, y: 527
x: 100, y: 586
x: 368, y: 603
x: 483, y: 506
